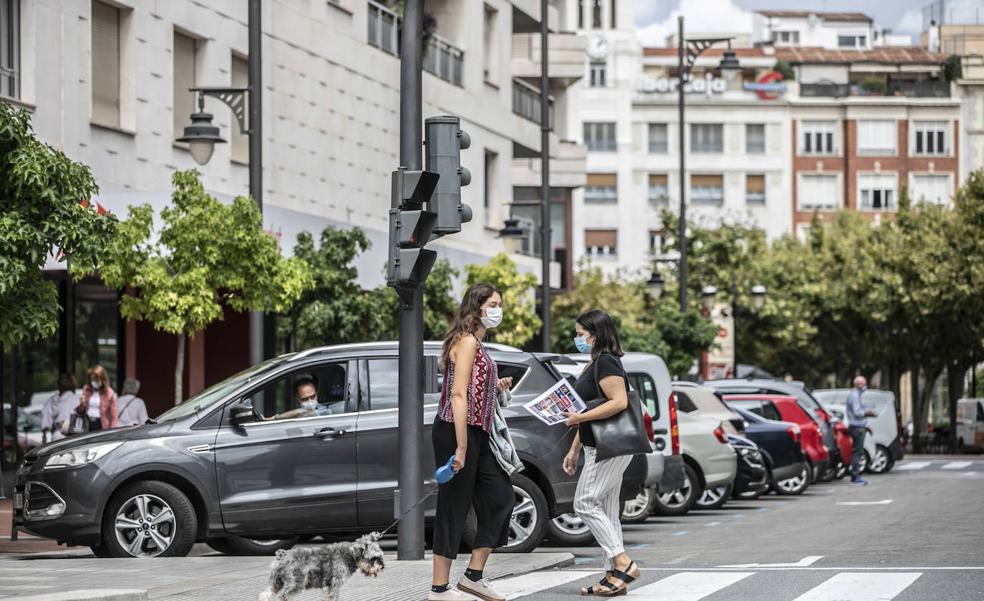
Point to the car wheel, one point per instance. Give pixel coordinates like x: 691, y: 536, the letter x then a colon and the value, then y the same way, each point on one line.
x: 865, y: 462
x: 100, y: 551
x: 239, y: 545
x: 149, y: 519
x: 529, y: 516
x: 568, y: 530
x: 638, y: 510
x: 795, y: 485
x: 714, y: 498
x: 881, y: 462
x: 842, y: 470
x: 682, y: 500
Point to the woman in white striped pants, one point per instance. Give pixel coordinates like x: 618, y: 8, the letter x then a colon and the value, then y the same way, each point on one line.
x: 596, y: 499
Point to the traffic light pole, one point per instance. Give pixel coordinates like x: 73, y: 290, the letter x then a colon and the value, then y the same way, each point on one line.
x: 545, y: 244
x: 410, y: 543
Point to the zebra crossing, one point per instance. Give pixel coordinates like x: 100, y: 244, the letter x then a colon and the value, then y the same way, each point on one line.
x: 698, y: 585
x: 942, y: 464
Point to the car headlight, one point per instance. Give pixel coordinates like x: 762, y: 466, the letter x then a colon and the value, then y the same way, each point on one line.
x: 743, y: 451
x: 80, y: 455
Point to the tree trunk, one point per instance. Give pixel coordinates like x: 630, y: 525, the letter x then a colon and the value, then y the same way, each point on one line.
x: 920, y: 398
x: 179, y: 371
x: 955, y: 372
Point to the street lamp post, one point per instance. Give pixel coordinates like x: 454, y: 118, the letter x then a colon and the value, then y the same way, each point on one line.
x: 708, y: 295
x: 687, y: 53
x: 202, y: 136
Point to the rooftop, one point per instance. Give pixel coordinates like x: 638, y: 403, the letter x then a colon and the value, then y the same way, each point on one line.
x: 894, y: 55
x: 709, y: 53
x: 803, y: 14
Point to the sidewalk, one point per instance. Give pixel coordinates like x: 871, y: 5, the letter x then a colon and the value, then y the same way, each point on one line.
x: 215, y: 578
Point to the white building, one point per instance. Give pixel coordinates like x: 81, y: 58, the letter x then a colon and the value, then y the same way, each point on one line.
x: 848, y: 30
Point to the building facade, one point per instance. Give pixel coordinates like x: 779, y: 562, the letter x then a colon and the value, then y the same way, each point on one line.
x: 108, y: 83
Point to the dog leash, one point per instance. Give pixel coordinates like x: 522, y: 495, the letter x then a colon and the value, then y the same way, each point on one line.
x: 427, y: 495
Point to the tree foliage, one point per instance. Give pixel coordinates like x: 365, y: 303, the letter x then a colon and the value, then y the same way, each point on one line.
x: 44, y: 209
x: 520, y: 322
x: 205, y: 256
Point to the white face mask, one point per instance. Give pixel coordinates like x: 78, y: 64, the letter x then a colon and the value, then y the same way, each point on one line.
x: 309, y: 404
x: 95, y: 384
x: 493, y: 317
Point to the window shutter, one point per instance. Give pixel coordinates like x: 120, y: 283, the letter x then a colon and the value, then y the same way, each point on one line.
x: 657, y: 179
x: 755, y: 183
x: 601, y: 238
x: 707, y: 181
x: 602, y: 179
x: 184, y: 78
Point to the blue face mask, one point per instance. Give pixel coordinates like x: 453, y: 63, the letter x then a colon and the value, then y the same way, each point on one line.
x: 582, y: 344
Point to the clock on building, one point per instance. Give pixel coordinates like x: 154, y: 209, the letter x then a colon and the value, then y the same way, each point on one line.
x: 598, y: 47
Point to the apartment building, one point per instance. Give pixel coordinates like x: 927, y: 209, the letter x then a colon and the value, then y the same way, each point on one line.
x: 108, y: 83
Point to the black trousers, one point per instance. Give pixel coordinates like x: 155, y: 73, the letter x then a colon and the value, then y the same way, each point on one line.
x: 95, y: 424
x: 857, y: 450
x: 481, y: 484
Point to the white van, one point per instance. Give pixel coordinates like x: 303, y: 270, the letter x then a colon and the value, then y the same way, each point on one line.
x: 884, y: 426
x: 970, y: 424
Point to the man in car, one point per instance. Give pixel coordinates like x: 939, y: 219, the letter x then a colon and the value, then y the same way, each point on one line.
x: 306, y: 398
x: 857, y: 423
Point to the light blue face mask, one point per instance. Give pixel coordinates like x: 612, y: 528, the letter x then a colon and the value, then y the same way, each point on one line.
x: 582, y: 344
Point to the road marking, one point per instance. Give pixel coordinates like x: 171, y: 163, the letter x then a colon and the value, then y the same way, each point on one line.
x: 807, y: 561
x: 956, y: 465
x: 680, y: 533
x: 861, y: 587
x: 915, y: 465
x: 882, y: 502
x: 534, y: 582
x: 688, y: 586
x: 710, y: 524
x: 970, y: 473
x: 847, y: 569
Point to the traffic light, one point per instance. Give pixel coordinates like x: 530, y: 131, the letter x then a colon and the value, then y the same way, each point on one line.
x: 410, y: 228
x: 444, y: 141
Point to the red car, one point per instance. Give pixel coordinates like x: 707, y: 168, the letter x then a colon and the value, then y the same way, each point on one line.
x: 845, y: 446
x: 786, y: 409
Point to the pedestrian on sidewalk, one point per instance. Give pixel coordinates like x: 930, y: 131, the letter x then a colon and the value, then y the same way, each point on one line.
x: 133, y: 410
x: 58, y: 407
x: 462, y: 430
x: 857, y: 424
x: 98, y: 400
x: 596, y: 499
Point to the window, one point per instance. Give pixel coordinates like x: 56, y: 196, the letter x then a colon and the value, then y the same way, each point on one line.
x: 384, y: 384
x: 238, y: 141
x: 611, y: 10
x: 490, y: 70
x: 818, y: 137
x: 755, y: 189
x: 600, y: 137
x: 706, y: 137
x: 580, y: 13
x: 755, y: 138
x: 769, y: 411
x: 601, y: 187
x: 10, y: 48
x: 707, y: 189
x: 596, y: 14
x: 511, y: 370
x: 818, y: 192
x: 877, y: 192
x: 787, y: 38
x: 644, y: 385
x: 852, y: 41
x: 601, y: 243
x: 331, y: 384
x: 932, y: 188
x: 876, y: 138
x: 929, y: 137
x: 657, y: 242
x: 658, y: 142
x: 105, y: 64
x: 185, y: 58
x: 684, y: 402
x: 489, y: 190
x: 659, y: 189
x: 384, y: 28
x: 598, y: 77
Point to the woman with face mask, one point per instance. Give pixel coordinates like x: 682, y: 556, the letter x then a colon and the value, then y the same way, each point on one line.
x: 596, y: 499
x: 98, y: 400
x: 462, y: 431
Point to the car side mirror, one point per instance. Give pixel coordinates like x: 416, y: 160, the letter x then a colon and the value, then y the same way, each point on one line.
x: 240, y: 414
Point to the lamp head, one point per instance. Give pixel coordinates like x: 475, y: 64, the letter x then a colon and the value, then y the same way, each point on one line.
x: 201, y: 137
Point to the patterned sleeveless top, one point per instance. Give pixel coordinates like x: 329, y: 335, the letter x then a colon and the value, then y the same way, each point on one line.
x: 482, y: 392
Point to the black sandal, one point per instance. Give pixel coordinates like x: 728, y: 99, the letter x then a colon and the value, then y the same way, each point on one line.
x: 607, y: 589
x: 624, y: 576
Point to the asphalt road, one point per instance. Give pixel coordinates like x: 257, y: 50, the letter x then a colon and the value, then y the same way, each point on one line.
x: 912, y: 534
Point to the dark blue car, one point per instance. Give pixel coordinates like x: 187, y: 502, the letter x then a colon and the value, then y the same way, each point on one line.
x: 779, y: 444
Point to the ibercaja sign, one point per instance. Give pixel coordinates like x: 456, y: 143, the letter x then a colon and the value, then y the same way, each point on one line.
x: 769, y: 85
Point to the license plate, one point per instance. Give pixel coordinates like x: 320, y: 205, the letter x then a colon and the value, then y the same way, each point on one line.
x: 18, y: 500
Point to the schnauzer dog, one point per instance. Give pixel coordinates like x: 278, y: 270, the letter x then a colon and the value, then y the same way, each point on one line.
x: 326, y: 567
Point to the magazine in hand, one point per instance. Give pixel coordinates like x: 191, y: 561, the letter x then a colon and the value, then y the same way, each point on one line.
x: 550, y: 406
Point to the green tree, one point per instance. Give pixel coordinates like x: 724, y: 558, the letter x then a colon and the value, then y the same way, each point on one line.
x: 205, y: 257
x: 520, y: 323
x: 439, y: 304
x: 43, y: 210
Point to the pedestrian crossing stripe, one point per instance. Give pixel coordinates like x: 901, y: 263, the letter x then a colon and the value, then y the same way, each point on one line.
x: 915, y: 465
x: 694, y: 586
x: 956, y: 465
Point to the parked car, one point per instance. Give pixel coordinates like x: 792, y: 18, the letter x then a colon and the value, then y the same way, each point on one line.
x: 803, y: 397
x: 28, y: 428
x: 752, y: 478
x: 649, y: 376
x: 779, y: 443
x: 707, y: 401
x: 885, y: 427
x: 786, y: 408
x: 970, y: 424
x: 217, y: 469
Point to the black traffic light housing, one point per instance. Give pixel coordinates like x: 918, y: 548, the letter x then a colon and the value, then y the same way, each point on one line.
x: 444, y: 141
x: 410, y: 228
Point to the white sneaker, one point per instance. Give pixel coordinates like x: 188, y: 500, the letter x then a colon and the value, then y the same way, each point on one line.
x: 449, y: 595
x: 481, y: 589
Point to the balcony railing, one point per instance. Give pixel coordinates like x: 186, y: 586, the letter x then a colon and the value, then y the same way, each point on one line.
x: 526, y: 102
x: 924, y: 88
x: 441, y: 58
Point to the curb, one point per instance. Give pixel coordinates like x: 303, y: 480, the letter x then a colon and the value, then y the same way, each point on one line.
x: 537, y: 562
x: 91, y: 595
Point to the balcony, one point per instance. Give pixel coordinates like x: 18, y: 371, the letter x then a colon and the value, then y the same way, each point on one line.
x: 923, y: 88
x: 526, y: 102
x: 568, y: 162
x: 441, y: 58
x: 565, y: 52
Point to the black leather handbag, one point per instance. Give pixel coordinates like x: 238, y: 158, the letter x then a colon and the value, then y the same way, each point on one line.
x: 623, y: 433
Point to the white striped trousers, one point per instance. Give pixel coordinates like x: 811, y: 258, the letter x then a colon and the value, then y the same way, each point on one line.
x: 596, y: 501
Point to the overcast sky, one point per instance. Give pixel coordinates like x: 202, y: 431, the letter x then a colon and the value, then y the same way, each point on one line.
x: 657, y: 18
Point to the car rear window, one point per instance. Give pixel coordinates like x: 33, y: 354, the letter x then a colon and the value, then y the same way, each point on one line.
x: 644, y: 385
x: 769, y: 411
x: 684, y: 402
x: 748, y: 405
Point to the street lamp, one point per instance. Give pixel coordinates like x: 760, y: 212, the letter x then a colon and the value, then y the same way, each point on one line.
x: 687, y: 53
x: 707, y: 296
x: 201, y: 136
x: 729, y: 66
x: 758, y: 297
x: 655, y: 285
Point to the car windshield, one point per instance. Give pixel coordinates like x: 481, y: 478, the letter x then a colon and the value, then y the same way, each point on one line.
x: 214, y: 394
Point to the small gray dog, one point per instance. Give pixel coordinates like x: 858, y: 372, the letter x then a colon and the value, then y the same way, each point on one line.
x: 326, y: 567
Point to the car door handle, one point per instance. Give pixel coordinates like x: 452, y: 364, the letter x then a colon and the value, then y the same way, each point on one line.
x: 661, y: 431
x: 329, y: 433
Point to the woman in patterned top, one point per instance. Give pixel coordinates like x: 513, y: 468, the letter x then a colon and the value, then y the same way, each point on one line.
x: 461, y: 430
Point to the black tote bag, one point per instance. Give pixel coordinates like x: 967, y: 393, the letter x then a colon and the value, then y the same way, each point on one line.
x: 623, y: 433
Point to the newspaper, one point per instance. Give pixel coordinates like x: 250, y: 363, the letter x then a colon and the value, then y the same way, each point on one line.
x: 550, y: 406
